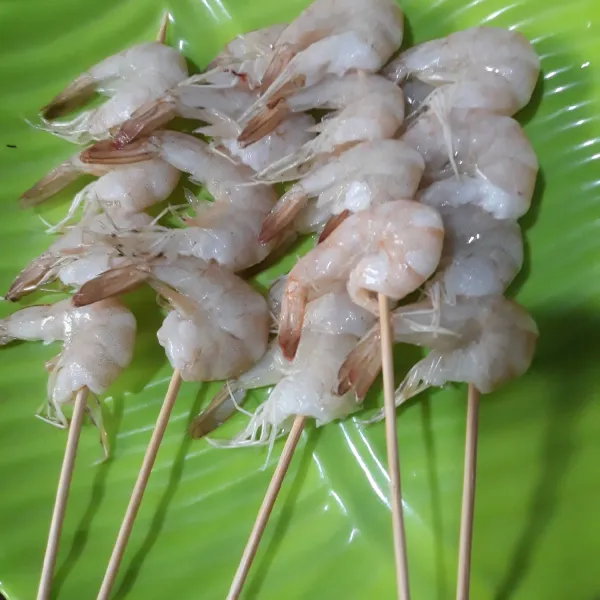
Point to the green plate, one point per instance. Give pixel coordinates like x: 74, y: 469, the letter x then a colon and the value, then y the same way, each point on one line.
x: 537, y: 523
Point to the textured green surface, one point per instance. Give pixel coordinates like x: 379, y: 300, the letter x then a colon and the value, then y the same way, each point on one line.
x: 537, y: 523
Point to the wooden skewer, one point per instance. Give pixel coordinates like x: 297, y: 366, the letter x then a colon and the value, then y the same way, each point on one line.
x: 162, y: 31
x: 468, y: 496
x: 62, y: 494
x: 139, y: 487
x: 389, y: 406
x: 265, y: 509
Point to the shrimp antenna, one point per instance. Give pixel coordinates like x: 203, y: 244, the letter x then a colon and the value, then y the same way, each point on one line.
x: 62, y: 494
x: 468, y: 496
x: 389, y: 407
x: 265, y: 508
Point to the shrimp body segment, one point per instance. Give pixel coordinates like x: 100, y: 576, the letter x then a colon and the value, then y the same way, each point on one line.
x: 130, y: 78
x: 493, y: 158
x: 482, y: 67
x: 391, y: 249
x: 97, y: 341
x: 364, y: 176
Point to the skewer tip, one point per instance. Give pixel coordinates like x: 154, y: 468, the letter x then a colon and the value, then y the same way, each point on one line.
x: 162, y: 31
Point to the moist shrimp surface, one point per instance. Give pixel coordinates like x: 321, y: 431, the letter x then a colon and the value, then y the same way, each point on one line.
x: 302, y: 387
x: 128, y: 188
x: 97, y: 342
x: 481, y: 67
x: 391, y: 249
x: 364, y: 176
x: 330, y: 37
x: 376, y: 116
x: 83, y: 252
x: 484, y: 341
x: 226, y: 230
x: 130, y: 78
x: 493, y: 159
x: 218, y: 326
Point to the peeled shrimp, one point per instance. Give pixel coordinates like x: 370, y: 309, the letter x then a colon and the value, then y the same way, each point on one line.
x: 219, y: 325
x: 130, y: 78
x: 484, y: 341
x: 129, y: 188
x: 304, y: 387
x: 481, y: 254
x: 83, y: 252
x: 493, y: 158
x: 332, y: 93
x: 364, y: 176
x: 97, y: 345
x: 391, y: 249
x: 330, y: 37
x: 226, y: 230
x: 482, y: 67
x: 244, y: 59
x: 373, y: 117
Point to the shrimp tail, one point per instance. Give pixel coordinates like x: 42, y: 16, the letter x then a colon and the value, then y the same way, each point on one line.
x: 74, y: 95
x: 224, y: 404
x: 440, y: 105
x: 362, y: 365
x: 264, y: 123
x: 282, y: 215
x: 106, y: 152
x: 277, y: 65
x: 35, y: 273
x: 180, y: 302
x: 291, y: 319
x: 332, y: 224
x: 145, y: 120
x: 109, y: 284
x: 57, y: 179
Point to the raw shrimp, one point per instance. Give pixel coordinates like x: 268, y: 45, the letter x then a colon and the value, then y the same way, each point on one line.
x: 130, y: 188
x: 130, y: 78
x: 227, y: 230
x: 484, y: 341
x: 219, y: 325
x: 391, y: 249
x: 482, y: 67
x: 366, y: 175
x: 493, y: 158
x: 97, y: 341
x: 244, y: 59
x: 83, y: 252
x: 481, y: 254
x: 331, y: 37
x: 304, y: 387
x: 374, y: 117
x: 333, y: 93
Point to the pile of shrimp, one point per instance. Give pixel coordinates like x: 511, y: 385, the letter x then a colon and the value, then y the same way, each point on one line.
x: 412, y: 183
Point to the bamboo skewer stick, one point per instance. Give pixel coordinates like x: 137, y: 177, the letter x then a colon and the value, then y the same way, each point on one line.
x: 62, y: 494
x: 468, y: 496
x: 162, y: 30
x: 403, y: 592
x: 265, y: 509
x: 139, y: 487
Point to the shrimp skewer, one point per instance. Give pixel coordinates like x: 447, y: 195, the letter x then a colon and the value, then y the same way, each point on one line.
x: 364, y: 176
x: 391, y: 249
x: 217, y: 328
x: 227, y: 230
x: 482, y: 67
